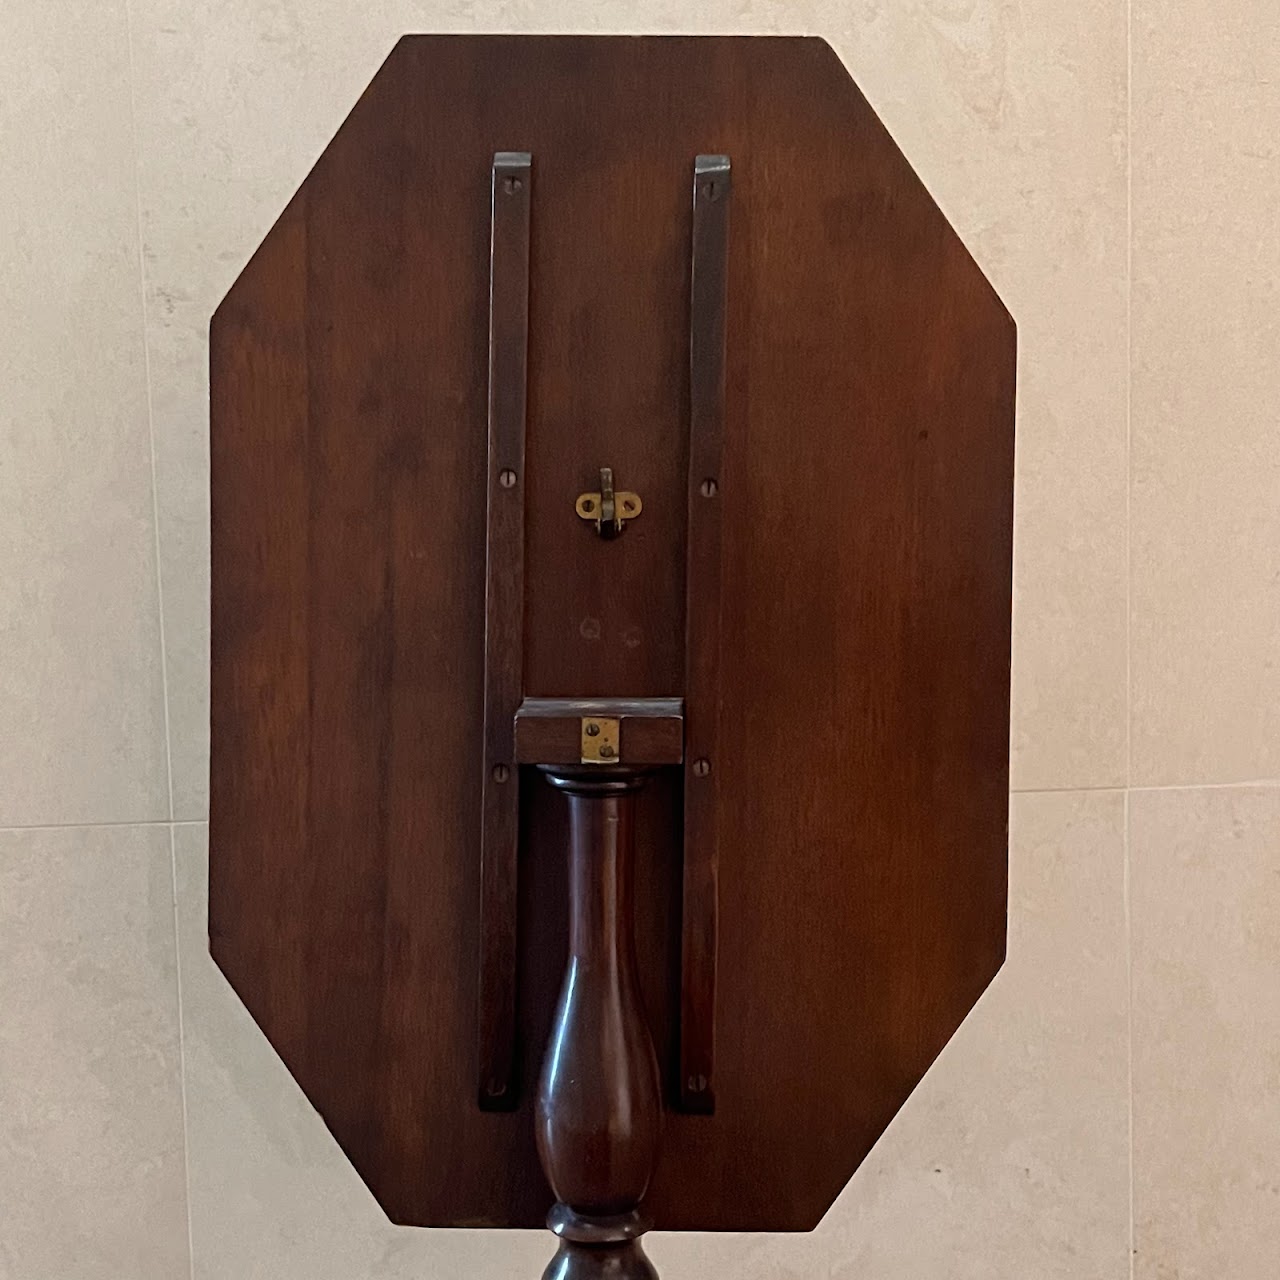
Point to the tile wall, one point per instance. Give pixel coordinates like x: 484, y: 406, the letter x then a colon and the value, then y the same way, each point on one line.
x: 1112, y: 1106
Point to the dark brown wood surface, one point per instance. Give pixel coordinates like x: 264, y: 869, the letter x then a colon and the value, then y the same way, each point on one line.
x: 866, y: 525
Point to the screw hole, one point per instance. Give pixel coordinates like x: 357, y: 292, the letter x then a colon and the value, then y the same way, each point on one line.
x: 506, y: 478
x: 709, y: 488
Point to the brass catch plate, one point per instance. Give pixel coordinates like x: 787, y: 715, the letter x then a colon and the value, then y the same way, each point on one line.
x: 608, y: 510
x: 600, y: 740
x: 628, y: 505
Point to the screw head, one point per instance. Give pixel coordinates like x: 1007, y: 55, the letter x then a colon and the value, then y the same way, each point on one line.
x: 511, y: 185
x: 593, y: 730
x: 701, y: 767
x: 607, y: 752
x: 709, y: 488
x: 501, y: 773
x: 506, y: 478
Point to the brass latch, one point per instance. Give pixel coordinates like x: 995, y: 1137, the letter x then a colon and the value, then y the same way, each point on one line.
x: 599, y: 740
x: 609, y: 511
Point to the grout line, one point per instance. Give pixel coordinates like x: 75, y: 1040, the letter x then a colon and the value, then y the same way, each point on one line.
x: 182, y: 1046
x: 164, y: 651
x: 151, y: 426
x: 93, y: 826
x: 1128, y: 603
x: 1064, y: 791
x: 1128, y: 408
x: 1243, y: 784
x: 1128, y: 953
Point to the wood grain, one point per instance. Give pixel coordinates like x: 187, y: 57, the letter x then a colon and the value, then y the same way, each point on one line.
x: 599, y: 1108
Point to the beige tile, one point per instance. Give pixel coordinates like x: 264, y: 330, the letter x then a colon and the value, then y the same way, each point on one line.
x: 1206, y: 1032
x: 1014, y: 116
x: 91, y: 1144
x: 1010, y: 1160
x: 272, y: 1196
x: 81, y: 697
x: 1014, y: 120
x: 1206, y: 471
x: 234, y: 103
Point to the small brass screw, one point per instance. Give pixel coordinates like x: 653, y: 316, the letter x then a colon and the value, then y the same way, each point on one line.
x: 606, y: 752
x: 593, y: 730
x: 701, y: 767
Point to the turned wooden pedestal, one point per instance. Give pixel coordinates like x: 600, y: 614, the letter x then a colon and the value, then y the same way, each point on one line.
x: 599, y: 1108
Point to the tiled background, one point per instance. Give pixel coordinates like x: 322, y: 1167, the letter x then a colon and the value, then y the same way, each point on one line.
x: 1112, y: 1107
